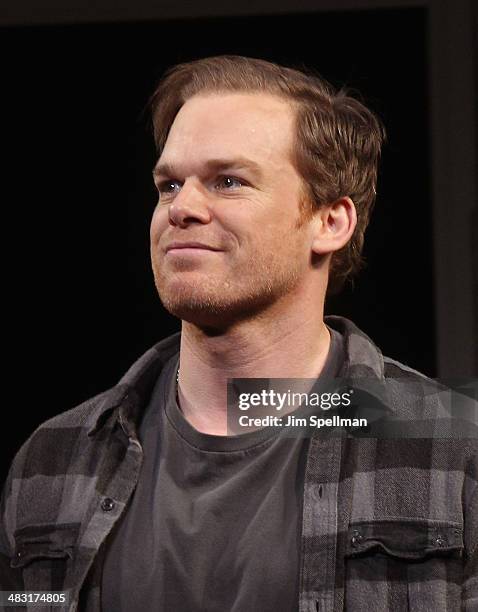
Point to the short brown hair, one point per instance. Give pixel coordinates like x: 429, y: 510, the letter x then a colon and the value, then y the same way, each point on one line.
x: 338, y: 140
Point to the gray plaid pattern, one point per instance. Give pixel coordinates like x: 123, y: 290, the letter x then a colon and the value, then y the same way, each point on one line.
x: 387, y: 525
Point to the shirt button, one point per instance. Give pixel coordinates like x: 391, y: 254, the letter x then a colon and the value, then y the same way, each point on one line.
x: 107, y: 504
x: 440, y: 541
x: 356, y: 538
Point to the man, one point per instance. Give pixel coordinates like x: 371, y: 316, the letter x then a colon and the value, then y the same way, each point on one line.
x: 140, y: 499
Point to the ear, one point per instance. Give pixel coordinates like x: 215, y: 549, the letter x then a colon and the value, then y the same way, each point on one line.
x: 334, y: 225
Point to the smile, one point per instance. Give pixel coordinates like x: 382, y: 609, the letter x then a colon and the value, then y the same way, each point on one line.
x: 188, y: 251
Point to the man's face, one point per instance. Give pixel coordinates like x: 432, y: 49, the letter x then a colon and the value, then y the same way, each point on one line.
x: 226, y: 181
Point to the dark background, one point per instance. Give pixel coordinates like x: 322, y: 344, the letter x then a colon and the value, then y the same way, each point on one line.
x: 78, y: 195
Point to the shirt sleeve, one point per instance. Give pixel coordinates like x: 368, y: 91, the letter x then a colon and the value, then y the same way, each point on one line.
x: 10, y: 578
x: 470, y: 575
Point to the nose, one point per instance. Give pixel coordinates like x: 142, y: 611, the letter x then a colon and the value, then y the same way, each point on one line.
x: 190, y: 205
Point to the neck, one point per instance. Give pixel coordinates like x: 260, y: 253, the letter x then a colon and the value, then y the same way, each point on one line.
x: 290, y: 343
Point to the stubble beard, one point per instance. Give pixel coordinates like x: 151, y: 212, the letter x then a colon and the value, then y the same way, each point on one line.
x: 219, y: 301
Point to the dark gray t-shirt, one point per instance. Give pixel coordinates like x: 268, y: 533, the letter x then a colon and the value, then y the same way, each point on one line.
x: 214, y: 523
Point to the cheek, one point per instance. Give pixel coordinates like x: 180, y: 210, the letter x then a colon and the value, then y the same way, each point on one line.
x: 159, y: 223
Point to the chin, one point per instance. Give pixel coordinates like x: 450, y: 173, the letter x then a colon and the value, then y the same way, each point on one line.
x: 213, y: 309
x: 209, y: 300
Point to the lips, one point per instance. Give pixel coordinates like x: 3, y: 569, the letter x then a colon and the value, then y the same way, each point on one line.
x: 190, y: 245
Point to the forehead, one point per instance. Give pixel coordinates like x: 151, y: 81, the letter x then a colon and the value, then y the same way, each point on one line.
x: 253, y: 125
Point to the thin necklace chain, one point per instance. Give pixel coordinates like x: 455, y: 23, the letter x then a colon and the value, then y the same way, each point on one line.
x: 177, y: 388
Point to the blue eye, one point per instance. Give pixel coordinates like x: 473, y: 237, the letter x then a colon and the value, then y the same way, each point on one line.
x: 168, y: 188
x: 229, y: 182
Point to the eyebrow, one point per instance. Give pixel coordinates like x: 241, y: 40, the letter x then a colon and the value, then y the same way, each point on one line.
x: 167, y: 169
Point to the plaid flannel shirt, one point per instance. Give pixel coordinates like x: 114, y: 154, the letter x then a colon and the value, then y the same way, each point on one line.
x: 387, y: 525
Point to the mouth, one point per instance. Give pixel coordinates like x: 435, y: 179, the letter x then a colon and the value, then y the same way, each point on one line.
x: 189, y: 247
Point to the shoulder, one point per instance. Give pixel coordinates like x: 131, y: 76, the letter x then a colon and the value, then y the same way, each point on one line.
x: 396, y: 369
x: 57, y: 439
x: 69, y: 452
x: 416, y: 403
x: 40, y: 468
x: 49, y: 449
x: 410, y: 384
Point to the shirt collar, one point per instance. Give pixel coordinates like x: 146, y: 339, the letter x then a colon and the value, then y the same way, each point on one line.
x: 130, y: 395
x: 363, y: 359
